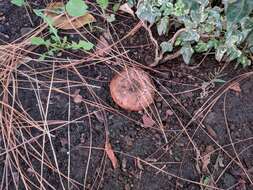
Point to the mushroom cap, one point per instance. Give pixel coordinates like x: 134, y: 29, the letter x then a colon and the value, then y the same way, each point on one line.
x: 132, y: 89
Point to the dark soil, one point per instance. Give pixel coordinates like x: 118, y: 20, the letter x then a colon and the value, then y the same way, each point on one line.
x: 148, y: 159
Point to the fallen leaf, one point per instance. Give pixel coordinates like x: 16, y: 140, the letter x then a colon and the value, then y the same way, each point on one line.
x: 125, y: 8
x: 206, y: 158
x: 111, y: 155
x: 62, y: 20
x: 235, y: 87
x: 147, y: 121
x: 102, y: 48
x: 77, y: 97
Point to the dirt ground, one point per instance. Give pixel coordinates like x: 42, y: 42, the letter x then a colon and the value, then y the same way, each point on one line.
x: 202, y: 133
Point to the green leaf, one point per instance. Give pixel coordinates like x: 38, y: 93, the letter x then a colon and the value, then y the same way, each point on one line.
x: 244, y: 61
x: 19, y: 3
x: 82, y: 45
x: 187, y: 52
x: 167, y: 8
x: 237, y: 9
x: 233, y: 53
x: 190, y: 35
x: 162, y: 26
x: 166, y: 47
x: 213, y: 43
x: 38, y: 41
x: 115, y: 7
x: 181, y: 8
x: 147, y: 12
x: 76, y: 8
x: 103, y: 3
x: 220, y: 51
x: 201, y: 47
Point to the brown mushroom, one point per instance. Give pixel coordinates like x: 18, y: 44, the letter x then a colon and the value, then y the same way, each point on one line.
x: 132, y: 89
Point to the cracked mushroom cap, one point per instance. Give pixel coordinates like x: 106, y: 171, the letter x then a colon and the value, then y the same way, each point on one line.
x: 132, y: 89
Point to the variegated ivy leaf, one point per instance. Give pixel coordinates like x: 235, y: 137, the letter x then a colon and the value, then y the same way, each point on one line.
x: 201, y: 47
x: 244, y: 61
x: 188, y: 23
x: 187, y: 52
x: 180, y: 8
x: 162, y: 2
x: 236, y: 10
x: 162, y: 26
x: 250, y: 42
x: 234, y: 38
x: 233, y: 53
x: 247, y: 26
x: 220, y: 51
x: 190, y: 35
x: 166, y: 47
x: 167, y: 9
x: 147, y: 12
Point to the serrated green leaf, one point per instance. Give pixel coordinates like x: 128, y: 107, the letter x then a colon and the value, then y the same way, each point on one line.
x: 187, y: 52
x: 38, y: 41
x: 166, y: 47
x: 162, y: 26
x: 85, y: 45
x: 103, y: 4
x: 76, y: 8
x: 19, y: 3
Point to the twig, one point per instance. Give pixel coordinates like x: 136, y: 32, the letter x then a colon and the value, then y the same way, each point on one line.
x: 159, y: 58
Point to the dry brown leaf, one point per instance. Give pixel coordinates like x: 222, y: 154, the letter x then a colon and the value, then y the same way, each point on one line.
x: 125, y: 8
x: 64, y: 21
x: 111, y: 155
x: 235, y: 87
x: 102, y: 48
x: 77, y: 97
x: 147, y: 121
x: 206, y: 158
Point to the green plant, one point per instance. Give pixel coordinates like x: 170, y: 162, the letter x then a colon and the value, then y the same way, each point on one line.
x: 19, y: 3
x: 55, y: 43
x: 202, y: 27
x: 103, y: 3
x: 76, y: 7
